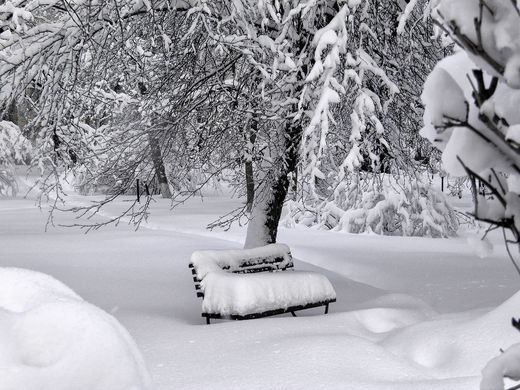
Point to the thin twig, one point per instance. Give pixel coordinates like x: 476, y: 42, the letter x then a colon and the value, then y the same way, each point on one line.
x: 509, y: 252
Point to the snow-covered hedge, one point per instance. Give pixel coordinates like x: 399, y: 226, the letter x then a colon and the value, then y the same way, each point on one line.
x: 390, y: 207
x: 50, y: 338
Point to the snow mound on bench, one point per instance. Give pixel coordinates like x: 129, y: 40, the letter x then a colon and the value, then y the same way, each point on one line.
x: 241, y: 294
x: 214, y: 260
x: 50, y: 338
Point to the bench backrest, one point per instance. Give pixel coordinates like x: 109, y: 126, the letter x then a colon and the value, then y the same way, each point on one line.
x: 269, y: 258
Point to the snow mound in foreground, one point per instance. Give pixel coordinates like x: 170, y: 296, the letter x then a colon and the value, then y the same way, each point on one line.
x: 458, y: 346
x: 52, y: 339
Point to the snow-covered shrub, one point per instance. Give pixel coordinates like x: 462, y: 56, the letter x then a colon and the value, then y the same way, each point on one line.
x: 14, y: 149
x: 52, y: 339
x: 390, y: 207
x: 457, y: 186
x: 8, y: 185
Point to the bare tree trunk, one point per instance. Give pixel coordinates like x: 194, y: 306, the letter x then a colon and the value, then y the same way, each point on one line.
x: 160, y: 171
x: 294, y: 185
x: 250, y: 181
x: 155, y: 150
x: 263, y: 226
x: 11, y: 114
x: 262, y: 229
x: 250, y: 186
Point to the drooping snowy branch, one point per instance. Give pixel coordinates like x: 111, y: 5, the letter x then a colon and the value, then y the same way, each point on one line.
x: 471, y: 101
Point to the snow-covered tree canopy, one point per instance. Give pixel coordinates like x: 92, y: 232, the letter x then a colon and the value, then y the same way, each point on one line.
x: 113, y: 84
x: 180, y: 91
x: 373, y: 133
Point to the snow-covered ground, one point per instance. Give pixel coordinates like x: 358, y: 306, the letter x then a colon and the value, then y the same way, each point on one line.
x: 411, y: 313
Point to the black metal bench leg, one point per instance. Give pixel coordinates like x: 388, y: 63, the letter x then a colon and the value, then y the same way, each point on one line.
x: 207, y: 320
x: 293, y: 313
x: 326, y: 308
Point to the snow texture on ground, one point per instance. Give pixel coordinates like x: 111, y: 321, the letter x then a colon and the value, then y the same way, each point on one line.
x: 412, y: 313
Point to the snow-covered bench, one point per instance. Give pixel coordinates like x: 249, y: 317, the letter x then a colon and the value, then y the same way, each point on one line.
x: 248, y: 283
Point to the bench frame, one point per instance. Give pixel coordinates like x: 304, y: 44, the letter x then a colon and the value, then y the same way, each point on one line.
x: 253, y: 266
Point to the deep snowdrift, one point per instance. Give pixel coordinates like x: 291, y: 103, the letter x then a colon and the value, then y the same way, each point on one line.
x: 52, y: 339
x: 457, y: 345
